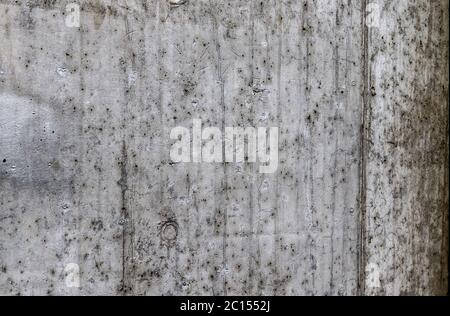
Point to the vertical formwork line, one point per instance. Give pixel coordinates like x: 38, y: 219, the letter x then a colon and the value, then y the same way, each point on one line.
x: 364, y: 140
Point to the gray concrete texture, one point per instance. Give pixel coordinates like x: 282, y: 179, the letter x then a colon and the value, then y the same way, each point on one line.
x: 91, y: 203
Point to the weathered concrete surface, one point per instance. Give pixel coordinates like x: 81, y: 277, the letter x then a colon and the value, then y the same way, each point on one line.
x: 358, y: 204
x: 406, y: 149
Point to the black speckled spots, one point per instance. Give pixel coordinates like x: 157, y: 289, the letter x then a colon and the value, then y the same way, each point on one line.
x: 86, y: 177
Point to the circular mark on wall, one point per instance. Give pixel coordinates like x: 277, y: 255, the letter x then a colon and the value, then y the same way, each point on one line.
x: 177, y: 3
x: 169, y: 232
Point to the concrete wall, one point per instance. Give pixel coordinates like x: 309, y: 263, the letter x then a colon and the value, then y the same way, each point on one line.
x: 91, y: 203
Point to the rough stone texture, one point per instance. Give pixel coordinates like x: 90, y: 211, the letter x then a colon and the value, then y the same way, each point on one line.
x: 358, y: 205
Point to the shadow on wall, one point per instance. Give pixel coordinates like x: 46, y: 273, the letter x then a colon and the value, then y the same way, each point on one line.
x: 29, y: 143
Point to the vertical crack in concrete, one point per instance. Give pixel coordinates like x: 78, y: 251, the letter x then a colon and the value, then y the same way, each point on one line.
x: 364, y: 135
x: 128, y: 225
x: 279, y: 18
x: 125, y: 216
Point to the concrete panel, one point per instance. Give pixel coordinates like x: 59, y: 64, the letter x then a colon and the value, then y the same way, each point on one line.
x: 92, y: 203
